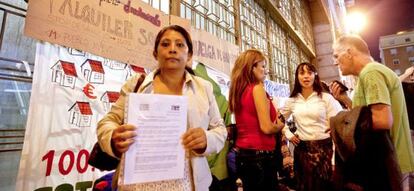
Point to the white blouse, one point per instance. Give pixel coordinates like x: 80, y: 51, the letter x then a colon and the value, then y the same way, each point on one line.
x: 311, y: 115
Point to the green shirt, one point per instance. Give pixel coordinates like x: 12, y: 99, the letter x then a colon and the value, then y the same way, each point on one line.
x: 379, y: 84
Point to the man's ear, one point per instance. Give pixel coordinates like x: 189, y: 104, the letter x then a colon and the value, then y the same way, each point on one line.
x: 350, y: 51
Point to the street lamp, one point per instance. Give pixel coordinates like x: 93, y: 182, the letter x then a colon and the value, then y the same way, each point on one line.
x: 355, y: 22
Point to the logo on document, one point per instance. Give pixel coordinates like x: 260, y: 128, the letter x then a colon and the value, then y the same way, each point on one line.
x: 144, y: 107
x: 175, y: 108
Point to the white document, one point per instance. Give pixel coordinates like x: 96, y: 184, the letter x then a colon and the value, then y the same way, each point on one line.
x: 157, y: 153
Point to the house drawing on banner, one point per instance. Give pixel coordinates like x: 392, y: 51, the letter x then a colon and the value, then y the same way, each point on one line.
x: 93, y: 71
x: 64, y: 73
x: 114, y: 65
x: 108, y: 98
x: 134, y: 69
x: 80, y: 114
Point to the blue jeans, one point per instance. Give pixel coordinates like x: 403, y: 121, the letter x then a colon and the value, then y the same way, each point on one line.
x: 257, y: 170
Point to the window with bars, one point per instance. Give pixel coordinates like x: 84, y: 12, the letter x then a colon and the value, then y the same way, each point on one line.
x: 284, y: 7
x: 217, y: 17
x: 297, y: 13
x: 161, y: 5
x: 306, y: 24
x: 253, y: 32
x: 396, y: 61
x: 304, y: 57
x: 213, y: 16
x: 279, y: 62
x: 411, y: 60
x: 294, y: 58
x: 17, y: 54
x: 393, y: 51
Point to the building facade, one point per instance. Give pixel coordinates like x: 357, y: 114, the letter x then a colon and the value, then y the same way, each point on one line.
x: 397, y: 51
x: 287, y: 31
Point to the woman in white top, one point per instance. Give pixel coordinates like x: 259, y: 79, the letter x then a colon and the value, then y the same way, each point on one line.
x: 205, y: 133
x: 311, y: 109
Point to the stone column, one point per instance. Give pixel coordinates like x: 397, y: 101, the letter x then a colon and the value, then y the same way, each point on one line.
x: 324, y: 38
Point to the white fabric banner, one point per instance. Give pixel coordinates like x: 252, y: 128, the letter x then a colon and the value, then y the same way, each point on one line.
x: 71, y: 91
x: 279, y: 92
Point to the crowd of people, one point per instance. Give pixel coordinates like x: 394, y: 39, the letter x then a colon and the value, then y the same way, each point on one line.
x: 259, y: 125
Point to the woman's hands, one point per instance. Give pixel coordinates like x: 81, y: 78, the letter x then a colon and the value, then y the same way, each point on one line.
x: 408, y: 74
x: 279, y: 122
x: 295, y: 140
x: 409, y: 71
x: 122, y: 138
x: 195, y: 139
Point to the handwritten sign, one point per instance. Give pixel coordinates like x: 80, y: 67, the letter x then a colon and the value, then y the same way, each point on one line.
x: 120, y: 30
x: 214, y: 52
x: 124, y: 32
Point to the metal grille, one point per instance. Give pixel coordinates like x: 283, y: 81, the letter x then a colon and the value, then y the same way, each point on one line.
x: 284, y: 7
x: 303, y: 57
x: 213, y: 16
x: 253, y: 26
x: 17, y: 54
x: 297, y: 13
x: 162, y: 5
x: 279, y: 58
x: 294, y: 59
x: 302, y: 21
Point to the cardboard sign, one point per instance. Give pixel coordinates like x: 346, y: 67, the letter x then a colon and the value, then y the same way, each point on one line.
x: 123, y: 32
x: 214, y: 52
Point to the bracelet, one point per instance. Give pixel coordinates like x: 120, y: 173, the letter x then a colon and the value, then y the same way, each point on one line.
x: 282, y: 118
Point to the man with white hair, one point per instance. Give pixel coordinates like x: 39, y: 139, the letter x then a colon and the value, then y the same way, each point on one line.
x: 379, y: 88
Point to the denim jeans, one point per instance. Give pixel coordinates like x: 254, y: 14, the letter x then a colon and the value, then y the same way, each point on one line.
x: 257, y: 170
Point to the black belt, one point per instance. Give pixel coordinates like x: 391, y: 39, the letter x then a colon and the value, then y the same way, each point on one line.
x: 254, y: 151
x: 307, y: 144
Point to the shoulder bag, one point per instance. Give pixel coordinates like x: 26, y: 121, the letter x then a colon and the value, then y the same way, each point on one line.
x: 98, y: 158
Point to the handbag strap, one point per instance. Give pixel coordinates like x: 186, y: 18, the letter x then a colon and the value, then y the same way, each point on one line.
x: 139, y: 82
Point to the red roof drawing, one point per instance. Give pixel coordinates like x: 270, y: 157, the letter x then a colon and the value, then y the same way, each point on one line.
x: 96, y: 66
x: 68, y: 68
x: 84, y: 108
x: 137, y: 69
x: 112, y: 96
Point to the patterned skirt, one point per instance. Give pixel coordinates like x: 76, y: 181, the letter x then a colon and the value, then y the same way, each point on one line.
x: 313, y: 165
